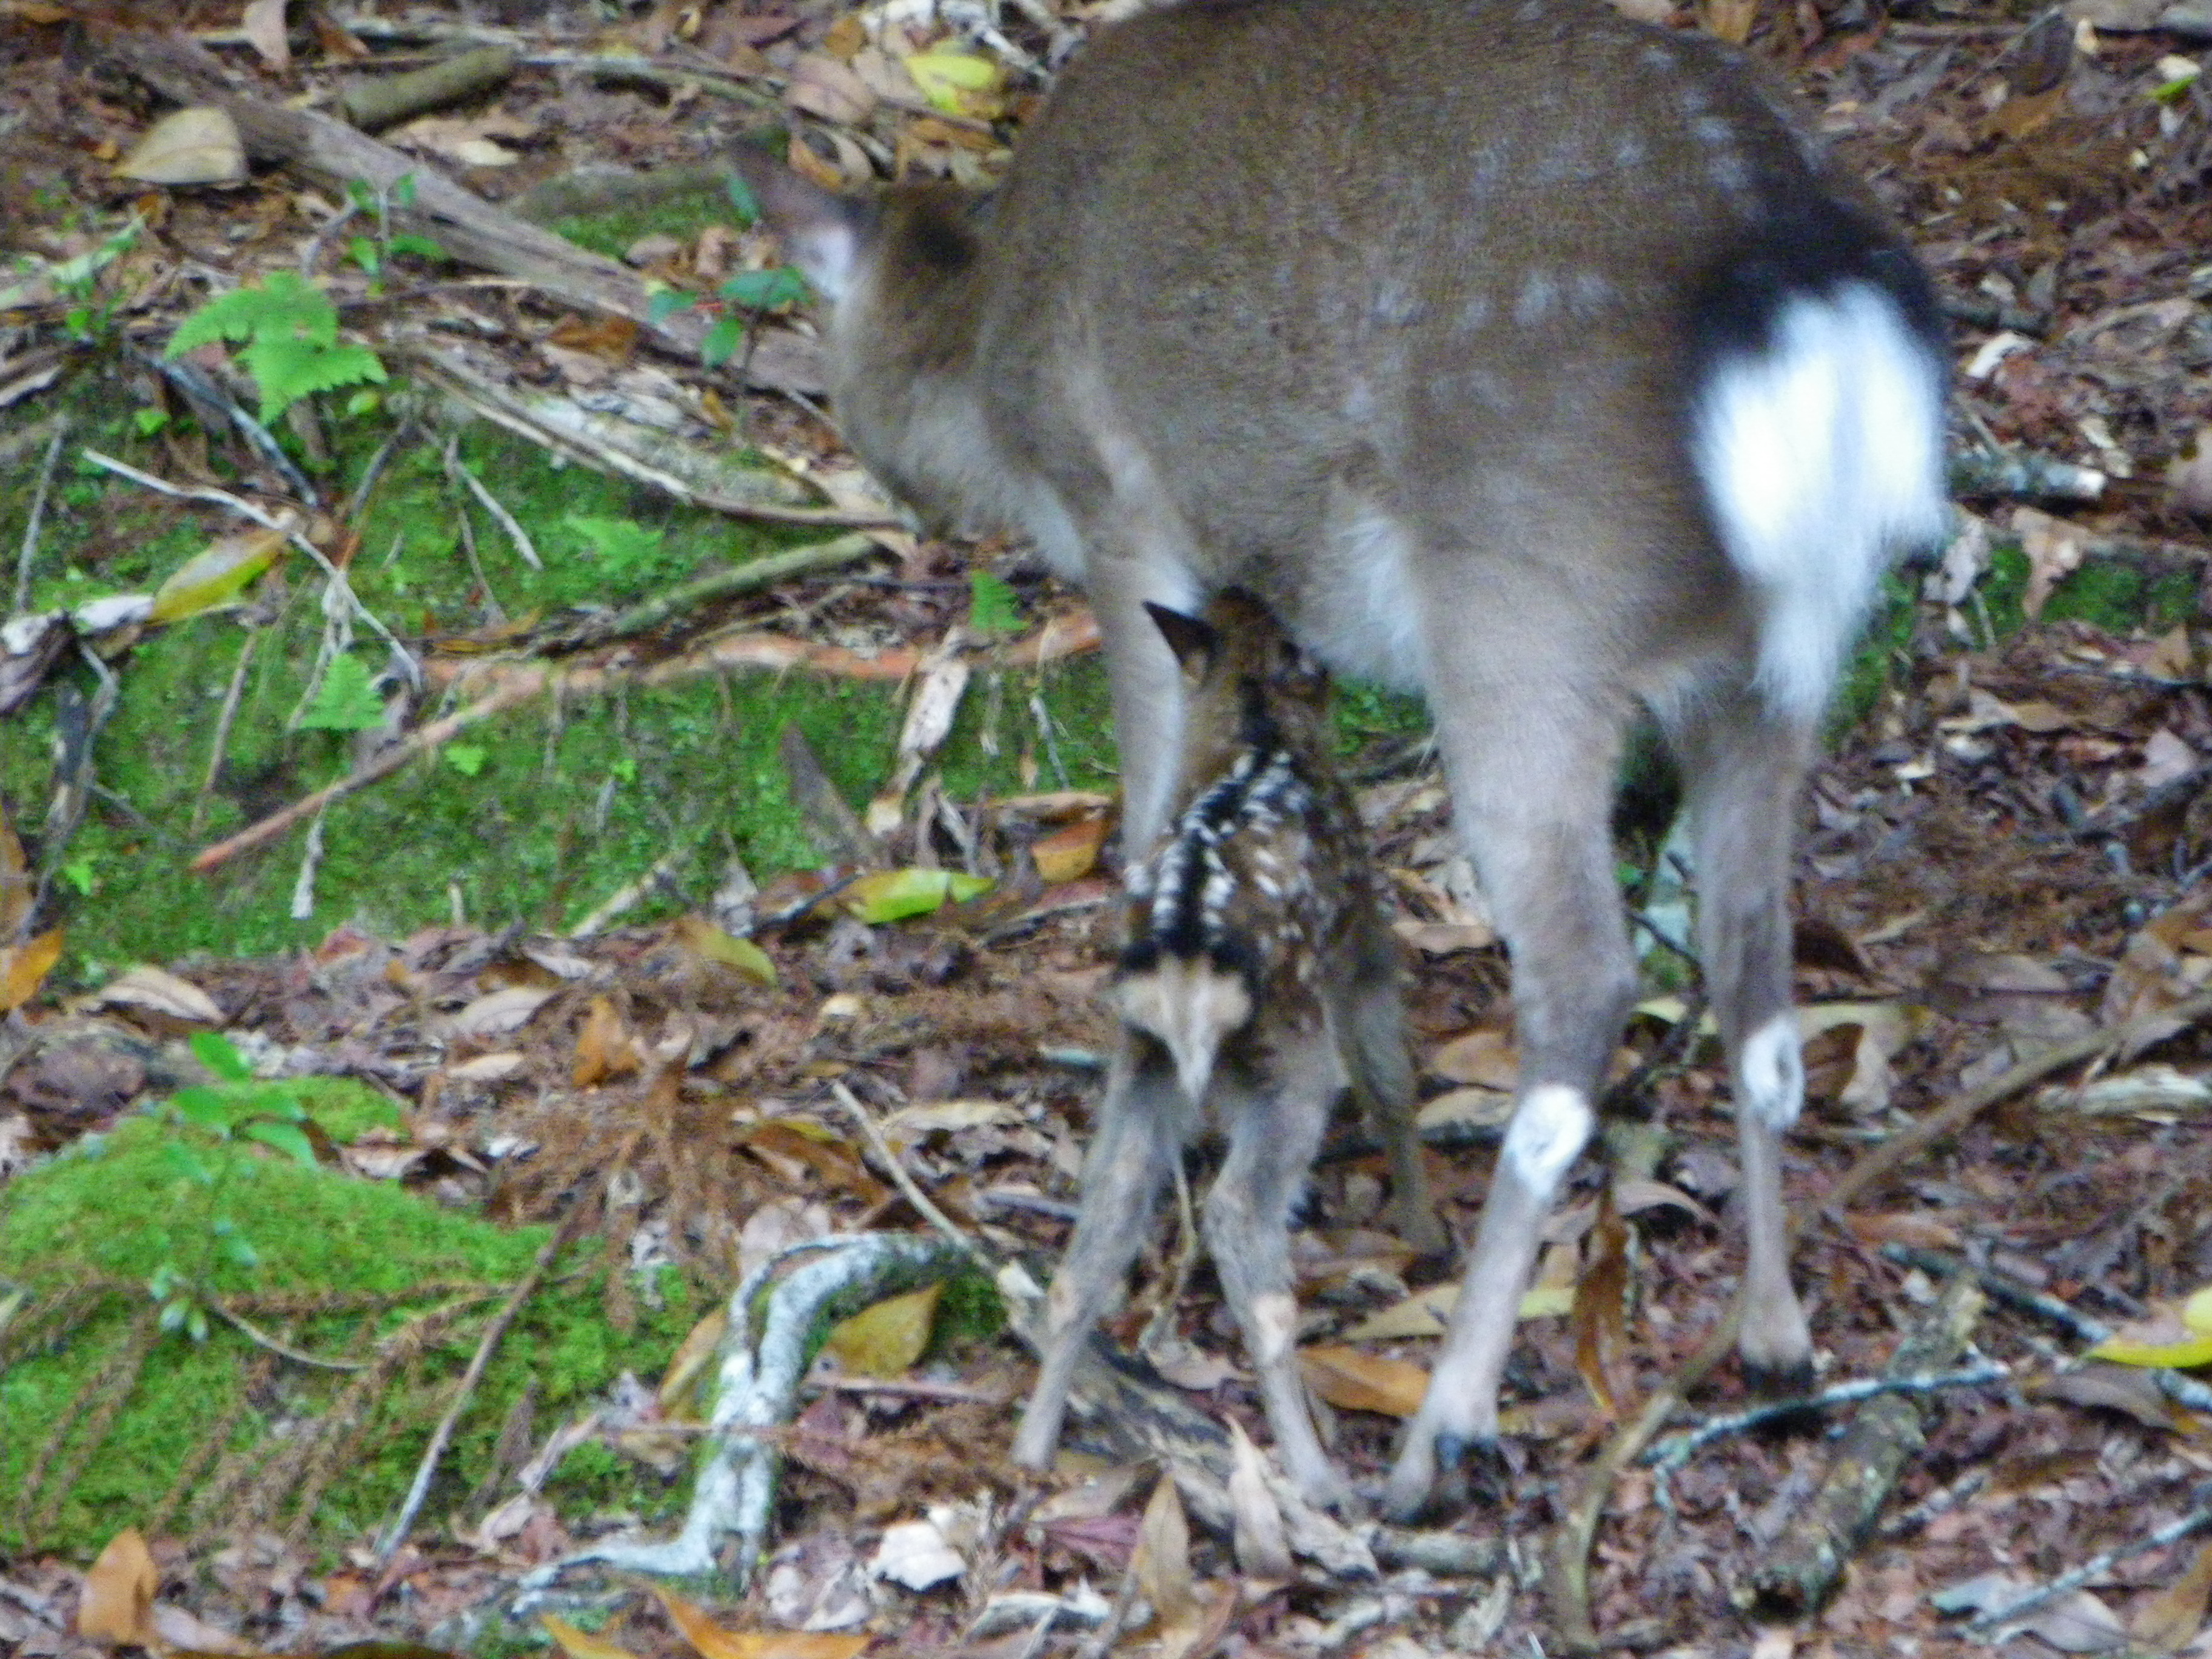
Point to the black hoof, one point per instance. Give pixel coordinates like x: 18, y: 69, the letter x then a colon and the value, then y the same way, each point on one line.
x: 1780, y: 1384
x: 1471, y: 1472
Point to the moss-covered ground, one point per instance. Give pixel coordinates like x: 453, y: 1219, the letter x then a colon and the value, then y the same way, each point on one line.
x: 303, y: 1248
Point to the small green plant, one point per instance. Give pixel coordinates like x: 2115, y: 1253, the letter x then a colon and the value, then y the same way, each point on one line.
x: 148, y: 421
x: 466, y: 758
x: 374, y: 253
x: 289, y: 329
x: 992, y: 608
x: 90, y: 319
x: 741, y: 299
x: 627, y: 551
x: 346, y: 701
x: 202, y: 1116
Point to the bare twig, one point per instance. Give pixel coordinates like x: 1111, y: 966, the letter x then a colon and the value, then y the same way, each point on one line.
x: 1571, y: 1563
x: 38, y: 517
x: 466, y: 1387
x: 224, y: 719
x: 2173, y: 1531
x: 895, y: 1168
x: 421, y: 741
x: 908, y: 1388
x: 524, y: 548
x: 246, y: 509
x: 283, y: 1349
x: 1676, y: 1449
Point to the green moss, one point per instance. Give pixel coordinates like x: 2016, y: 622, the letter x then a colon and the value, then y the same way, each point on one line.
x: 969, y: 1311
x: 119, y: 1206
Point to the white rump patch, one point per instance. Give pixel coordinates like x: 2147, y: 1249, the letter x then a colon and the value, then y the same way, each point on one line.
x: 1773, y: 1072
x: 1191, y: 1006
x: 1822, y: 456
x: 1550, y: 1127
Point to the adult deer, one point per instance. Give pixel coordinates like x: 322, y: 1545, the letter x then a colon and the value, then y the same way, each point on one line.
x: 1514, y: 353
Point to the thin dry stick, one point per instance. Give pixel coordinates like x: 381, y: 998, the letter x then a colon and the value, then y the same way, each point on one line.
x: 220, y: 748
x: 1571, y: 1564
x: 921, y: 1201
x: 38, y: 514
x: 421, y: 741
x: 246, y: 509
x: 254, y: 1334
x: 467, y: 1387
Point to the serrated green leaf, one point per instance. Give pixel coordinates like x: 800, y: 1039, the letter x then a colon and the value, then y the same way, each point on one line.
x: 422, y: 247
x: 721, y: 342
x: 364, y: 252
x: 992, y: 608
x: 287, y: 1138
x: 762, y: 290
x: 287, y: 370
x: 466, y: 758
x: 285, y: 306
x: 184, y: 1165
x: 346, y: 701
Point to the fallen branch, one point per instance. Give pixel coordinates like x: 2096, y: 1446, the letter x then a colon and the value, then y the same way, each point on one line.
x: 1677, y: 1449
x: 422, y: 741
x: 2177, y: 1386
x: 1986, y: 1624
x: 465, y: 1390
x: 1058, y: 638
x: 1804, y: 1565
x: 734, y: 1494
x: 1569, y: 1569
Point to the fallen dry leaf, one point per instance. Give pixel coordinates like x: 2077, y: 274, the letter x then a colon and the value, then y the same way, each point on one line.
x: 1354, y: 1380
x: 715, y: 1641
x: 117, y: 1603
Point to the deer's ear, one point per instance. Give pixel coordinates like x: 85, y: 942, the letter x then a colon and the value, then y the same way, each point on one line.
x: 824, y: 233
x: 1194, y: 643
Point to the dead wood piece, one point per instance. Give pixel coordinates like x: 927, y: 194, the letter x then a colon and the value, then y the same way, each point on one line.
x: 697, y: 474
x: 835, y: 826
x: 1807, y: 1562
x: 757, y: 1384
x: 748, y: 578
x: 2024, y: 474
x: 374, y: 104
x: 466, y: 226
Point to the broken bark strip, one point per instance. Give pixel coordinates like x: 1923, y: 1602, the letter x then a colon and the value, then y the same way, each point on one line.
x: 1807, y: 1562
x: 372, y: 104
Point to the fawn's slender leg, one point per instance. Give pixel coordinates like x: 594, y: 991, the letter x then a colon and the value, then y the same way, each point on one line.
x: 1529, y: 751
x: 1746, y: 769
x: 1140, y: 1127
x: 1371, y: 1019
x: 1273, y: 1134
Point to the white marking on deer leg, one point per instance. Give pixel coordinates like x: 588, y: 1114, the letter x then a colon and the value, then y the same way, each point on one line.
x: 1773, y: 1069
x: 1275, y: 1326
x: 1550, y: 1126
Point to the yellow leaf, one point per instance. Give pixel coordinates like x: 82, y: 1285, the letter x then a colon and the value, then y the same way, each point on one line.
x: 117, y: 1602
x: 883, y: 1339
x: 678, y: 1394
x: 1070, y: 852
x: 2169, y: 1621
x: 24, y: 968
x: 16, y: 888
x: 958, y: 82
x: 714, y: 1642
x: 893, y: 895
x: 1421, y: 1314
x: 578, y: 1643
x: 217, y: 573
x: 2177, y: 1335
x: 1161, y: 1560
x: 1355, y: 1381
x: 711, y: 944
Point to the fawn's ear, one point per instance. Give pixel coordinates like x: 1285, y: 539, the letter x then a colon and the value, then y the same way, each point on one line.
x: 1194, y: 643
x: 824, y: 233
